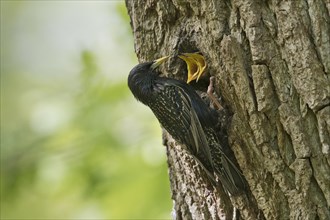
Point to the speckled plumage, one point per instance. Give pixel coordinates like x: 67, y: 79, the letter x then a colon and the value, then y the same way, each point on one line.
x: 186, y: 117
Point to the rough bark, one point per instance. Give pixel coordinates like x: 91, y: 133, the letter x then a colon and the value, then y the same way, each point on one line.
x: 271, y: 60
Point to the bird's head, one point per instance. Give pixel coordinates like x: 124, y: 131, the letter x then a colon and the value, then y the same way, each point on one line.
x: 141, y: 77
x: 147, y: 67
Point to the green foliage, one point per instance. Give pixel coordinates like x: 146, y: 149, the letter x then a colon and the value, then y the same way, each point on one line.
x: 78, y: 147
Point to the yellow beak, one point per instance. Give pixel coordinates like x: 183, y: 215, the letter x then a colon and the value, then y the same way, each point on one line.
x: 159, y: 61
x: 196, y: 65
x: 192, y: 67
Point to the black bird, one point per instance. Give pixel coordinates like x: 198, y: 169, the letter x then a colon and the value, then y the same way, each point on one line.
x: 185, y: 116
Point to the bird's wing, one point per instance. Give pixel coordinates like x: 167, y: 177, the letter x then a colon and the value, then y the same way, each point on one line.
x: 196, y: 131
x: 175, y: 112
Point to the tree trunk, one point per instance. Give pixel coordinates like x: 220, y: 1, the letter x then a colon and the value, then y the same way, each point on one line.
x: 271, y: 60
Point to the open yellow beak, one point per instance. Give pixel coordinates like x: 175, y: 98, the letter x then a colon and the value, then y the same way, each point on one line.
x: 192, y: 67
x: 159, y: 61
x: 196, y: 65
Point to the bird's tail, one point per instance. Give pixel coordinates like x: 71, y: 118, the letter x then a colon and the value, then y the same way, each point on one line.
x: 230, y: 176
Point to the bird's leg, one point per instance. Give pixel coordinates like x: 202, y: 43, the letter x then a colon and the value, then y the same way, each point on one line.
x: 210, y: 90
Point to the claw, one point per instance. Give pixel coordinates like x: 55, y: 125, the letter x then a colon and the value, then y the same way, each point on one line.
x: 196, y: 65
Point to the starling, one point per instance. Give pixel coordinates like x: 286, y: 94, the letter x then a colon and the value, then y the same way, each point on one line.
x: 185, y: 116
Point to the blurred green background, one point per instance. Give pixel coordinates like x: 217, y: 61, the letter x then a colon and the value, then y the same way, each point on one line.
x: 75, y: 144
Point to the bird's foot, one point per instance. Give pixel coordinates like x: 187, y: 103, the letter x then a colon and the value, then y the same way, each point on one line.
x: 210, y: 90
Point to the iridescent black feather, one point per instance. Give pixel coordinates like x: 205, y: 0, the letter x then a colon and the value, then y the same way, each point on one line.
x: 186, y: 117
